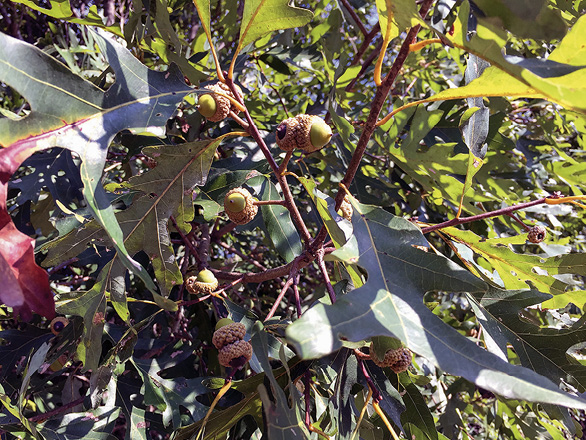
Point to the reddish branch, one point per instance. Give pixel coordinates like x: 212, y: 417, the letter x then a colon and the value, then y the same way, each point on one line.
x: 290, y: 202
x: 46, y: 416
x: 380, y: 97
x: 504, y: 211
x: 354, y: 16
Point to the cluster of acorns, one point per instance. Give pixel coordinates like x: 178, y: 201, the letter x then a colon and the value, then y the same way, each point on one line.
x: 233, y: 350
x: 306, y: 132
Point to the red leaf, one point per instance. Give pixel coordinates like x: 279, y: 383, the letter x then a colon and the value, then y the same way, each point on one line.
x: 25, y: 285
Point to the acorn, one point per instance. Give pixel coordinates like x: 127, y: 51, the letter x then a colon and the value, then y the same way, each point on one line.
x: 58, y: 324
x: 536, y: 234
x: 396, y: 357
x: 233, y: 350
x: 216, y: 107
x: 204, y: 282
x: 239, y: 206
x: 346, y: 209
x: 235, y: 355
x: 228, y: 333
x: 306, y: 132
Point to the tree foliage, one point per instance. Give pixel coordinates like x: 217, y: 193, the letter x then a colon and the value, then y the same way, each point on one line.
x: 446, y: 216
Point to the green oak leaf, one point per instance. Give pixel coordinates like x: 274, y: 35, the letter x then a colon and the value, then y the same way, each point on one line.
x: 70, y: 112
x: 162, y: 192
x: 391, y: 303
x: 261, y: 17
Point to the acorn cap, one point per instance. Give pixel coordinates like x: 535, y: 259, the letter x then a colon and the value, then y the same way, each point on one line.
x: 346, y: 209
x: 537, y: 234
x: 239, y: 206
x: 204, y: 282
x: 286, y: 134
x: 398, y: 359
x: 235, y: 355
x: 307, y: 132
x: 403, y: 363
x: 228, y: 334
x: 222, y: 104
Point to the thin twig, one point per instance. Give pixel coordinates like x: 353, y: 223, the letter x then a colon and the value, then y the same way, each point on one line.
x: 324, y: 271
x: 364, y: 67
x: 186, y: 241
x: 46, y: 416
x: 283, y: 166
x: 354, y: 16
x: 241, y: 255
x: 289, y: 283
x: 291, y: 206
x: 204, y: 246
x: 270, y: 202
x: 504, y: 211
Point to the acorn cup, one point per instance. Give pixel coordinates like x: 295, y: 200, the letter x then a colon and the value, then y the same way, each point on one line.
x: 215, y: 107
x: 536, y: 234
x: 306, y: 132
x: 346, y: 209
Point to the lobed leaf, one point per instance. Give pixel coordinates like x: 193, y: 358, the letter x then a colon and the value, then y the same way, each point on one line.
x: 391, y: 303
x: 70, y: 112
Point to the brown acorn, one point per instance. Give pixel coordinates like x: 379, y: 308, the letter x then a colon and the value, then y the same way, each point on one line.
x: 215, y: 107
x: 239, y: 206
x: 306, y: 132
x: 233, y: 350
x: 235, y: 355
x: 397, y: 359
x: 536, y: 234
x: 203, y: 283
x: 228, y: 334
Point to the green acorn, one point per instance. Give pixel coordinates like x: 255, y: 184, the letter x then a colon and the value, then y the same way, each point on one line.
x: 239, y: 206
x: 306, y: 132
x: 203, y: 283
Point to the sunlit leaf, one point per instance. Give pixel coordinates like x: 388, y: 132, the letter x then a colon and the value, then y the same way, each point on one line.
x: 81, y: 117
x: 391, y: 303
